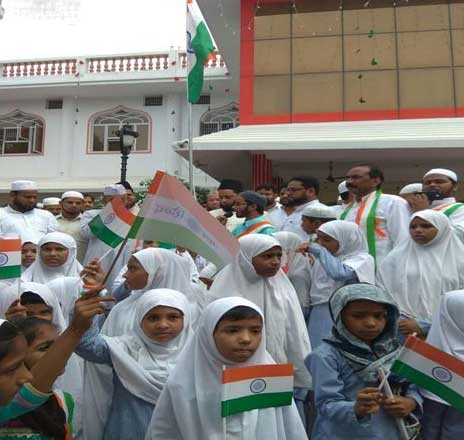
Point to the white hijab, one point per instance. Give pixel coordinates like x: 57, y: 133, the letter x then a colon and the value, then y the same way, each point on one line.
x: 352, y: 252
x: 447, y: 330
x: 189, y: 406
x: 416, y: 275
x: 67, y: 290
x: 276, y: 297
x: 40, y: 273
x: 297, y: 266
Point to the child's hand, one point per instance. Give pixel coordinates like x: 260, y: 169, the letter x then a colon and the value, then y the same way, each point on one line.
x: 86, y: 308
x: 410, y: 326
x: 15, y: 311
x: 399, y: 406
x: 93, y: 274
x: 303, y: 249
x: 367, y: 402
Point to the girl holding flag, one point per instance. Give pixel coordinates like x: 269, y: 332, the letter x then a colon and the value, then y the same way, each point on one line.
x: 345, y: 368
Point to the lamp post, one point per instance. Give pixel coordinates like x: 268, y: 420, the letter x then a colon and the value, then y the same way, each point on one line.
x: 126, y: 141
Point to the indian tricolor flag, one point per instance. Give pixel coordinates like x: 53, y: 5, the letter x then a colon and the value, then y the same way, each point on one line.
x: 113, y: 223
x: 433, y: 370
x: 10, y: 258
x: 200, y: 49
x: 171, y: 214
x: 258, y: 386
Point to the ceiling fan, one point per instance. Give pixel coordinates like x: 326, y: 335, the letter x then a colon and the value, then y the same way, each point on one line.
x: 331, y: 178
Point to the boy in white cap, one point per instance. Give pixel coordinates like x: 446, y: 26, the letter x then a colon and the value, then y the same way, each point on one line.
x: 21, y: 215
x: 53, y: 205
x: 97, y: 248
x: 69, y: 220
x: 344, y: 198
x: 314, y: 216
x: 410, y: 193
x: 439, y: 186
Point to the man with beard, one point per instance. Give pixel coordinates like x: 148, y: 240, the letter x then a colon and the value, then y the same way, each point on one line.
x: 69, y: 220
x: 273, y: 209
x: 228, y: 191
x: 250, y: 206
x: 21, y: 215
x: 382, y: 218
x: 439, y: 190
x: 131, y: 198
x: 303, y: 191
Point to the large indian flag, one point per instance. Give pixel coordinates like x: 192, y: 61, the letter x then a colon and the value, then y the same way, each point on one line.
x: 113, y: 223
x: 258, y: 386
x: 433, y: 370
x: 200, y: 49
x: 10, y: 258
x: 171, y: 214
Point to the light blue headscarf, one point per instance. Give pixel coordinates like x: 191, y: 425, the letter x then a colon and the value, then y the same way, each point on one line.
x: 365, y: 359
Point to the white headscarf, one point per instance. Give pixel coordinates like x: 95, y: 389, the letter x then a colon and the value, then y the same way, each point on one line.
x: 189, y: 407
x: 352, y: 252
x: 447, y: 330
x: 297, y: 266
x: 40, y: 273
x: 416, y: 275
x: 276, y: 297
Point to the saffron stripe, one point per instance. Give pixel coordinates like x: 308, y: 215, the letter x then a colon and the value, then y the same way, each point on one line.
x: 454, y: 399
x: 10, y: 245
x: 119, y: 208
x: 273, y: 370
x: 270, y: 400
x: 103, y: 233
x: 435, y: 355
x: 10, y: 272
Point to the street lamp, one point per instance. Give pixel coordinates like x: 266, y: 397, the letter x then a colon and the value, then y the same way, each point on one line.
x: 126, y: 141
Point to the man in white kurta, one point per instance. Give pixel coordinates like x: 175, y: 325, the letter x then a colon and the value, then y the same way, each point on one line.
x: 22, y: 217
x: 303, y: 192
x: 390, y: 213
x: 439, y: 186
x: 228, y: 191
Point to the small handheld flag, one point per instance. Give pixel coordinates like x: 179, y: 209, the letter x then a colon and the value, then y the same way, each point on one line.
x: 433, y: 370
x: 10, y: 258
x: 113, y: 223
x: 171, y: 214
x: 258, y: 386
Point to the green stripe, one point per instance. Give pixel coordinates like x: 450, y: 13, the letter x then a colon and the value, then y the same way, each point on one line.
x: 103, y: 233
x: 452, y: 209
x: 370, y: 225
x: 255, y: 401
x: 10, y: 272
x: 70, y: 405
x: 454, y: 399
x: 150, y: 229
x: 203, y: 46
x: 346, y: 211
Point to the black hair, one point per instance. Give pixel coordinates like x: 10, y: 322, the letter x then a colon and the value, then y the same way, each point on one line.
x: 126, y: 185
x: 374, y: 172
x: 31, y: 298
x: 345, y: 195
x: 238, y: 313
x: 30, y: 326
x: 266, y: 186
x: 254, y: 198
x: 89, y: 195
x: 308, y: 182
x: 8, y: 332
x: 234, y: 185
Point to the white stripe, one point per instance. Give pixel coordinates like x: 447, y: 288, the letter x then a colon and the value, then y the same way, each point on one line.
x: 242, y: 388
x: 117, y: 225
x: 426, y: 366
x: 169, y: 210
x: 8, y: 259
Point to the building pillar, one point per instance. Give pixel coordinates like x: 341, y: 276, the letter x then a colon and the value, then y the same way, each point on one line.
x: 261, y: 170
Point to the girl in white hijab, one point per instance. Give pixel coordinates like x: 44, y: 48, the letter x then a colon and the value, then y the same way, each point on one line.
x: 286, y: 336
x: 420, y: 270
x: 296, y: 266
x: 440, y: 420
x: 56, y: 259
x: 189, y: 406
x: 141, y: 361
x: 341, y: 258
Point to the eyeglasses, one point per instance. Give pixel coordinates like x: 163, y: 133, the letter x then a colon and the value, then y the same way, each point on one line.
x: 292, y: 190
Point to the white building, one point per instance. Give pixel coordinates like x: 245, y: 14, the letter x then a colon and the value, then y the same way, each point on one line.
x: 58, y: 118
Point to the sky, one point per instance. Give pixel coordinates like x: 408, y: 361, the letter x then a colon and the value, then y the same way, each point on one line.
x: 34, y: 29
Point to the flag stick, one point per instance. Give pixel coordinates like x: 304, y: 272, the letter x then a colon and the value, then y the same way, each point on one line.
x: 115, y: 260
x: 190, y: 145
x: 19, y: 287
x: 224, y: 419
x: 388, y: 391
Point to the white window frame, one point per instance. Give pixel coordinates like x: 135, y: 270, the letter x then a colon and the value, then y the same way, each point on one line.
x: 218, y: 117
x: 119, y: 116
x: 12, y: 123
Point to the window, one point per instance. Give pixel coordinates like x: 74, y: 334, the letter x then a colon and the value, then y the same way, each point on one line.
x: 21, y: 133
x: 219, y: 119
x: 104, y: 125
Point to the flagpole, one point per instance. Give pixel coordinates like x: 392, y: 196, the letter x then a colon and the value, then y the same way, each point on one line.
x: 190, y: 145
x: 115, y: 260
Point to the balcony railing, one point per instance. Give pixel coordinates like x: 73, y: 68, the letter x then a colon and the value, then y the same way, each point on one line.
x: 138, y: 66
